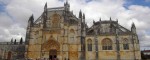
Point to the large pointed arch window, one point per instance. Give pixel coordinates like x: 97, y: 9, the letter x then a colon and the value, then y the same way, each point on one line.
x: 89, y: 44
x: 125, y: 44
x: 106, y: 44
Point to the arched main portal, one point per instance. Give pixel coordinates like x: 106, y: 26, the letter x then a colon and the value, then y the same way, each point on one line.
x: 53, y: 54
x: 52, y: 47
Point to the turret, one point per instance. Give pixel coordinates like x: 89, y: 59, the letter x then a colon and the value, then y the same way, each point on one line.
x: 80, y: 14
x: 11, y: 41
x: 99, y: 29
x: 30, y: 21
x: 45, y: 7
x: 30, y: 25
x: 80, y: 22
x: 21, y: 41
x: 110, y: 19
x: 15, y: 42
x: 100, y: 20
x: 67, y: 6
x: 84, y: 25
x: 45, y: 15
x: 133, y: 28
x: 84, y: 18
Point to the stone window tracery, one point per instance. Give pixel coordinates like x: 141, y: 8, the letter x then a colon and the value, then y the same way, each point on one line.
x: 89, y: 44
x: 125, y: 44
x: 106, y: 44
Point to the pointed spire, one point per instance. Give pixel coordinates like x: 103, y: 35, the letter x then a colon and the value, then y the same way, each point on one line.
x: 80, y: 14
x: 11, y: 40
x: 66, y: 1
x: 100, y: 19
x: 31, y: 20
x: 84, y: 19
x: 45, y: 5
x: 15, y: 42
x: 67, y: 6
x: 83, y: 16
x: 21, y: 40
x: 133, y: 25
x: 133, y: 28
x: 110, y: 18
x: 31, y: 17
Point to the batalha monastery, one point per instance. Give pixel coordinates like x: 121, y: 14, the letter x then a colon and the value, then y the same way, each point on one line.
x: 59, y: 35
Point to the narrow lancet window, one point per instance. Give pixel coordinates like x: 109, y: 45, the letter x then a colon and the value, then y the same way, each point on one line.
x: 89, y: 44
x: 125, y: 44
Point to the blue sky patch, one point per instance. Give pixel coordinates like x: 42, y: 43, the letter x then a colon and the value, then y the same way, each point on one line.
x: 2, y: 7
x: 137, y: 2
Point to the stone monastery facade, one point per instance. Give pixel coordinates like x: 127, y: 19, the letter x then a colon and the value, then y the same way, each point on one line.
x: 59, y: 35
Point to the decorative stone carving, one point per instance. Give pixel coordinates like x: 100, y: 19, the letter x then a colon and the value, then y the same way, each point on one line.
x: 50, y: 44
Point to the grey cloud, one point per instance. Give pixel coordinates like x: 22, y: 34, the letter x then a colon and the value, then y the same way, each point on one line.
x: 5, y: 20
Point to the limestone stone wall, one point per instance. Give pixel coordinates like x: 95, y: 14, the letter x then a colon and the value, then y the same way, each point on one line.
x: 112, y: 54
x: 65, y: 38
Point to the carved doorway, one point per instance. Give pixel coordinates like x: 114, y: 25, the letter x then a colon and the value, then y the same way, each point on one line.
x: 53, y: 54
x: 9, y: 55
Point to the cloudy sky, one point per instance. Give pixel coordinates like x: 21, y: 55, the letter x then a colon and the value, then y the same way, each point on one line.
x: 14, y: 15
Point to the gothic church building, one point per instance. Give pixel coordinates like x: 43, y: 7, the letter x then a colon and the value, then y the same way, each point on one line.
x: 59, y: 34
